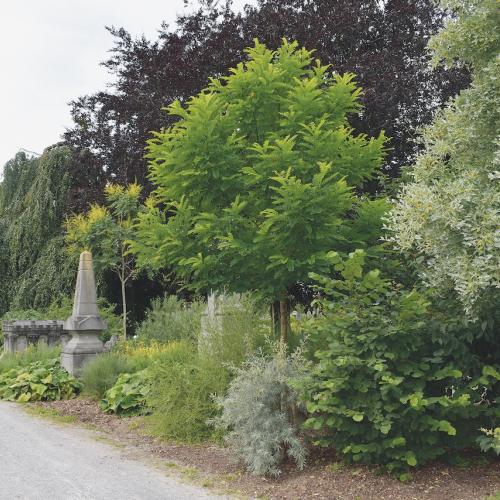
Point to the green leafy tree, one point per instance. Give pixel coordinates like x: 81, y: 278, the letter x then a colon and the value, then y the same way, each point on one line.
x: 255, y: 183
x: 448, y: 215
x: 34, y: 197
x: 106, y: 232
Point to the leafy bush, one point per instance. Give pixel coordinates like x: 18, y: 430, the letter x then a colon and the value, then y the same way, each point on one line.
x: 171, y: 319
x: 255, y: 417
x: 41, y: 380
x: 183, y: 384
x: 240, y: 328
x: 490, y: 441
x: 396, y: 383
x: 101, y: 373
x: 128, y: 395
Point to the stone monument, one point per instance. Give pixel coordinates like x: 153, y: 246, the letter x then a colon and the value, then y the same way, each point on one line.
x: 19, y: 335
x: 85, y: 324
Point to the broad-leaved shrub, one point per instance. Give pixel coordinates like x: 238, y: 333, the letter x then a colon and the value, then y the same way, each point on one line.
x: 394, y: 383
x: 39, y: 381
x: 128, y: 395
x: 490, y: 441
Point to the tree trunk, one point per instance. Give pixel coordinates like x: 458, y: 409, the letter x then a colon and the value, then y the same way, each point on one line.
x: 284, y: 319
x: 275, y: 318
x: 124, y: 306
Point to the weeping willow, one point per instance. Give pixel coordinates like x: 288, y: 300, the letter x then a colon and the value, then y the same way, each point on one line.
x: 34, y: 268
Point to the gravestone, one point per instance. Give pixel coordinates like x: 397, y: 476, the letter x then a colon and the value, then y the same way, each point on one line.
x: 85, y: 324
x: 19, y: 335
x: 219, y: 307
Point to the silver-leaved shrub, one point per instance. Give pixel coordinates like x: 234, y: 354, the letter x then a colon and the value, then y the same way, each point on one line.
x: 256, y: 413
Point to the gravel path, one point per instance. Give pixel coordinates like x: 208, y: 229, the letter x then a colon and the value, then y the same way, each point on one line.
x: 41, y: 460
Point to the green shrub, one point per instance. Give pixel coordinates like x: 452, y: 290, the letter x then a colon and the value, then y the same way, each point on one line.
x: 128, y: 395
x: 241, y: 327
x: 101, y: 373
x: 171, y: 319
x: 396, y: 382
x: 41, y: 380
x: 256, y: 414
x: 490, y: 441
x: 183, y: 385
x: 8, y: 360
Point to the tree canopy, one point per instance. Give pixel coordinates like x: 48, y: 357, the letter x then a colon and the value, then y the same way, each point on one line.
x: 383, y: 43
x: 105, y: 231
x: 33, y: 203
x: 257, y: 177
x: 448, y: 214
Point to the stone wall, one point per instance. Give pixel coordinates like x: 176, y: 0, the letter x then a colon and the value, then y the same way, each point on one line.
x: 18, y: 335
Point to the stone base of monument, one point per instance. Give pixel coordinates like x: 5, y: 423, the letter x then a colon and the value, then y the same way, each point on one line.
x: 83, y: 347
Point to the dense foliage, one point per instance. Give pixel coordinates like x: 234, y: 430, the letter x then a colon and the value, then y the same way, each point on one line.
x: 449, y: 213
x: 36, y: 197
x: 39, y: 381
x: 382, y: 42
x: 101, y: 373
x: 128, y: 395
x: 256, y: 180
x: 396, y: 381
x: 490, y: 441
x: 256, y: 414
x: 183, y: 386
x: 268, y: 181
x: 33, y: 204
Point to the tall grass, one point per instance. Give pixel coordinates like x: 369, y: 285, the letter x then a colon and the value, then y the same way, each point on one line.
x: 30, y: 355
x: 241, y: 327
x: 101, y: 373
x: 182, y: 394
x: 171, y: 319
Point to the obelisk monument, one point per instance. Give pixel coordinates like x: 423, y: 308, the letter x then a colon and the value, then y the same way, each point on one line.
x: 85, y: 324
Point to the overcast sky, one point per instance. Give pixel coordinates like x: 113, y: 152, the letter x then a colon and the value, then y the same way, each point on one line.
x: 49, y: 54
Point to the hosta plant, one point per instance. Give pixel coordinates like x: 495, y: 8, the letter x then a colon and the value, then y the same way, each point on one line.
x: 39, y: 381
x: 128, y: 395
